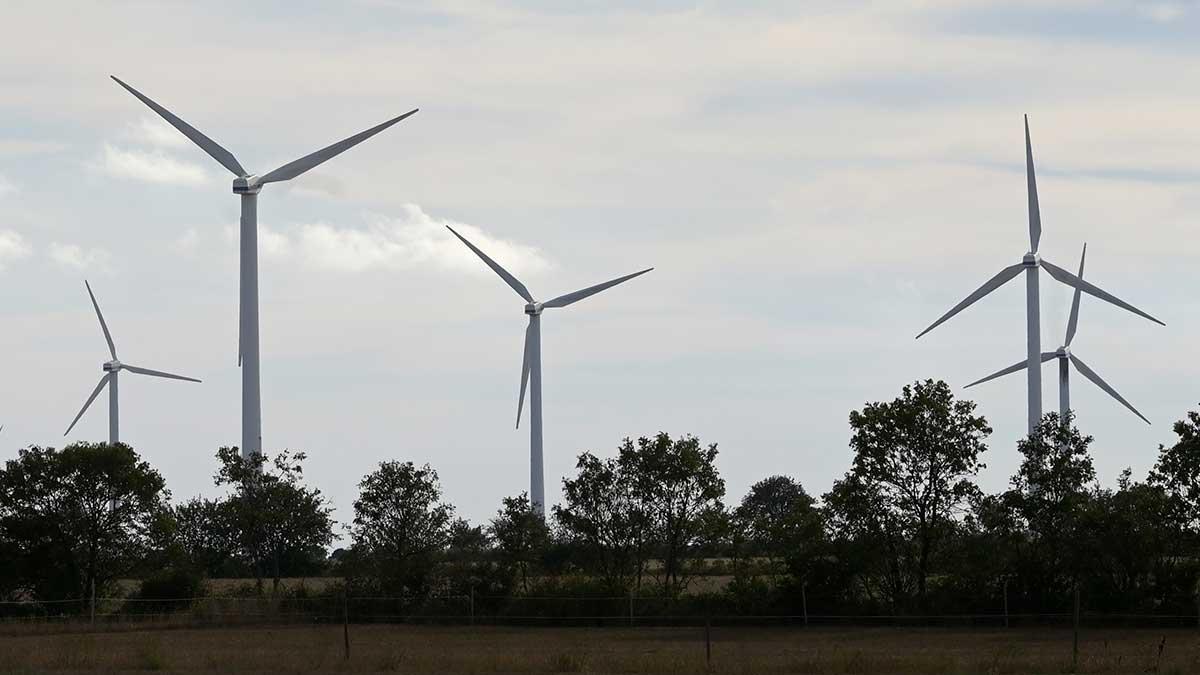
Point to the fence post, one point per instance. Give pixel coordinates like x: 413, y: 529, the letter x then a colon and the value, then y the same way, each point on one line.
x: 1075, y: 643
x: 804, y: 601
x: 708, y: 639
x: 1006, y: 602
x: 93, y: 601
x: 346, y: 621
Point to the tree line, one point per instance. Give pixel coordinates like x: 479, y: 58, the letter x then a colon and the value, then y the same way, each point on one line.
x: 906, y: 530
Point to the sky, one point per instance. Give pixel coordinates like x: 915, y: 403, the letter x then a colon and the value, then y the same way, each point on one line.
x: 814, y: 184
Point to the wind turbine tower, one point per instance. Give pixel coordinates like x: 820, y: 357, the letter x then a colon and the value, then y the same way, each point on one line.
x: 531, y: 366
x: 247, y: 186
x: 1030, y: 264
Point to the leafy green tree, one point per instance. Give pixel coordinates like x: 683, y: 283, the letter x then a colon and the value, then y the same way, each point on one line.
x: 1053, y: 492
x: 204, y: 537
x: 521, y: 537
x: 276, y: 520
x: 56, y: 518
x: 401, y: 526
x: 1178, y: 470
x: 680, y: 491
x: 602, y: 520
x: 916, y: 458
x: 779, y: 520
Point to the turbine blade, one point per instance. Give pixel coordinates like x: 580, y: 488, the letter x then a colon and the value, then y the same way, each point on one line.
x: 103, y: 326
x: 292, y: 169
x: 156, y: 373
x: 206, y: 144
x: 525, y: 365
x: 1004, y: 276
x: 1074, y: 321
x: 1091, y: 375
x: 1091, y: 289
x: 1019, y: 365
x: 569, y: 298
x: 1035, y: 212
x: 508, y: 278
x: 95, y: 393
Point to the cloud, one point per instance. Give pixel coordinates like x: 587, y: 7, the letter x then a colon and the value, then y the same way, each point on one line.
x: 412, y: 239
x: 73, y: 255
x: 151, y: 167
x: 6, y: 186
x: 13, y: 247
x: 151, y: 130
x: 1162, y: 12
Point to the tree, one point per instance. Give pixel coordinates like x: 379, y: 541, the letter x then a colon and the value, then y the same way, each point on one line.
x: 521, y: 536
x: 602, y: 520
x: 1178, y: 470
x: 277, y: 521
x: 679, y: 490
x: 401, y: 525
x: 56, y: 518
x: 205, y: 538
x: 917, y: 456
x: 1054, y: 487
x: 769, y: 513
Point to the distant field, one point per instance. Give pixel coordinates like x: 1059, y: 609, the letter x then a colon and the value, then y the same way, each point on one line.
x: 421, y: 649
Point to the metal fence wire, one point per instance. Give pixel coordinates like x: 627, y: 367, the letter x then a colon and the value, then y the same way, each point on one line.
x: 133, y: 613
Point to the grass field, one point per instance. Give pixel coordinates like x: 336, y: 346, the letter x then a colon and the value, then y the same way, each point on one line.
x: 421, y: 649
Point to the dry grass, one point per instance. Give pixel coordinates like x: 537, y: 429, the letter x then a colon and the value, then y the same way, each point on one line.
x: 422, y: 649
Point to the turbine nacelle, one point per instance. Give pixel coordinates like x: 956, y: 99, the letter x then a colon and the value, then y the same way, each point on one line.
x: 1031, y: 259
x: 111, y: 366
x: 534, y: 308
x: 247, y: 185
x: 1063, y: 352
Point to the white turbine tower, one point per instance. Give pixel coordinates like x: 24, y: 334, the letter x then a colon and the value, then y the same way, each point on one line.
x: 1067, y: 358
x: 111, y: 368
x: 248, y: 186
x: 531, y: 364
x: 1030, y: 264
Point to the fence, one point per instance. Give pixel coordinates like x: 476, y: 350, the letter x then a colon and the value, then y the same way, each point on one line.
x: 473, y: 609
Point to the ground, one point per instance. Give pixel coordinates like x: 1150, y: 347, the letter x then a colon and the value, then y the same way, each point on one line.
x: 464, y: 649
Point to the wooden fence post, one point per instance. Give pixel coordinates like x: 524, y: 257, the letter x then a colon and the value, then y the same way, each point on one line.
x: 1006, y: 602
x: 1075, y: 643
x: 346, y: 621
x: 804, y: 601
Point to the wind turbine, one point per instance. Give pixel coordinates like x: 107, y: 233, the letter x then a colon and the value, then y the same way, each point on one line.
x: 1067, y: 358
x: 248, y: 186
x: 111, y: 368
x: 1030, y: 264
x: 531, y: 364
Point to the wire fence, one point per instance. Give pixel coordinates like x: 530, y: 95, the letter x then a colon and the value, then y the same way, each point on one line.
x: 108, y: 614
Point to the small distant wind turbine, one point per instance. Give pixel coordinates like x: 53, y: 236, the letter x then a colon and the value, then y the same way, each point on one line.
x: 1066, y: 358
x: 531, y: 365
x: 111, y: 368
x: 248, y: 186
x: 1030, y: 264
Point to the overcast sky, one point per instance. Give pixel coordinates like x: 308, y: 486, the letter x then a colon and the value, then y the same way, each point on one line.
x: 813, y: 182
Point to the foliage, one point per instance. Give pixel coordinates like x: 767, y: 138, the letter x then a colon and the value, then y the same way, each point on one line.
x: 521, y: 537
x: 274, y: 519
x: 400, y: 526
x: 915, y: 459
x: 78, y: 517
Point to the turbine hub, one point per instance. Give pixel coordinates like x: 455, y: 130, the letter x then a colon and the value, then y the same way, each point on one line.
x: 533, y: 308
x: 1064, y: 352
x: 1031, y: 260
x: 246, y: 185
x: 112, y: 366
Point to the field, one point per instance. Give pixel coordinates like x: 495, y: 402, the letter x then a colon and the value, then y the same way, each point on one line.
x: 423, y: 649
